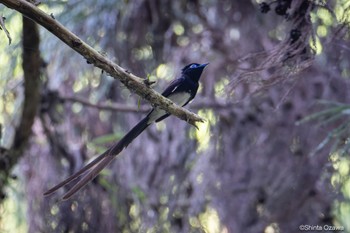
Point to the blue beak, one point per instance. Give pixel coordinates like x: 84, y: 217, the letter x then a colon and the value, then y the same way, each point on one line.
x: 204, y: 65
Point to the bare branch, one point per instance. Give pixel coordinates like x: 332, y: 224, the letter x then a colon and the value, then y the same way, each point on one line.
x: 31, y: 68
x: 108, y: 107
x: 132, y: 82
x: 201, y: 103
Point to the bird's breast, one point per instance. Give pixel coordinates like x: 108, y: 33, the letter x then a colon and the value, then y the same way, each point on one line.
x: 180, y: 98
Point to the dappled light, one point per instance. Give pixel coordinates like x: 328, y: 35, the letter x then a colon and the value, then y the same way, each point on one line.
x: 268, y: 150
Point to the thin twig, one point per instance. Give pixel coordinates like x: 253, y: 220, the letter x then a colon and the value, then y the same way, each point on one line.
x: 109, y: 107
x: 201, y: 103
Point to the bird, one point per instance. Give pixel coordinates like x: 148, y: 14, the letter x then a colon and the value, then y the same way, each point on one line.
x: 181, y: 91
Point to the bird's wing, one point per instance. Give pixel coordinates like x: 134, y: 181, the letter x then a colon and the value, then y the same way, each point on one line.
x: 172, y: 86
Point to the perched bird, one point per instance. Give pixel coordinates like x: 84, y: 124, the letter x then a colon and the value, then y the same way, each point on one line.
x: 180, y: 91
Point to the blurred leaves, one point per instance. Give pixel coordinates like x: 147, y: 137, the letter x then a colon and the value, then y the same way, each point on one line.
x: 162, y: 183
x: 11, y: 95
x: 99, y: 143
x: 13, y: 210
x: 335, y: 118
x: 336, y: 115
x: 203, y: 133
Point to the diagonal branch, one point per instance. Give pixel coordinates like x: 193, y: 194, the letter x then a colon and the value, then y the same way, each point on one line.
x: 132, y: 82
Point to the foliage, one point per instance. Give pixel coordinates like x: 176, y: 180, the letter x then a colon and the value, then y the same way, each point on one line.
x: 248, y: 168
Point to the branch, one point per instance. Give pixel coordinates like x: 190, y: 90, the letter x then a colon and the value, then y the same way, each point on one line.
x: 132, y: 82
x: 31, y: 64
x: 108, y: 107
x: 201, y: 103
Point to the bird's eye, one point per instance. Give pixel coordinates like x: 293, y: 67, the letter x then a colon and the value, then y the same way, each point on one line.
x: 193, y: 66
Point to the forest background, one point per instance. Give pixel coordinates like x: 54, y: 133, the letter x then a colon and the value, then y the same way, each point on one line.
x: 272, y: 155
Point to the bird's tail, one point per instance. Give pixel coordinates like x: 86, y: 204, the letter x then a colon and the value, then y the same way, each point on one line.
x: 100, y: 162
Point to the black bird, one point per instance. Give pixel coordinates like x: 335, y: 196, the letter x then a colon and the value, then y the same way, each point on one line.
x: 180, y: 91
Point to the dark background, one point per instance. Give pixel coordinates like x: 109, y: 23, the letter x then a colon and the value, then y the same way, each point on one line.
x: 259, y: 163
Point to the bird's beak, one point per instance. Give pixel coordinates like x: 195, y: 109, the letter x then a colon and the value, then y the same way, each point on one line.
x: 204, y: 65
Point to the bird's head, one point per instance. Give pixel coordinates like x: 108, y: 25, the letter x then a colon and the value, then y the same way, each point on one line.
x: 194, y: 70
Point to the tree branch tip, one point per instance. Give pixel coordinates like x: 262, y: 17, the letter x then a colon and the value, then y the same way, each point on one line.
x: 199, y: 119
x: 194, y: 122
x: 202, y: 120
